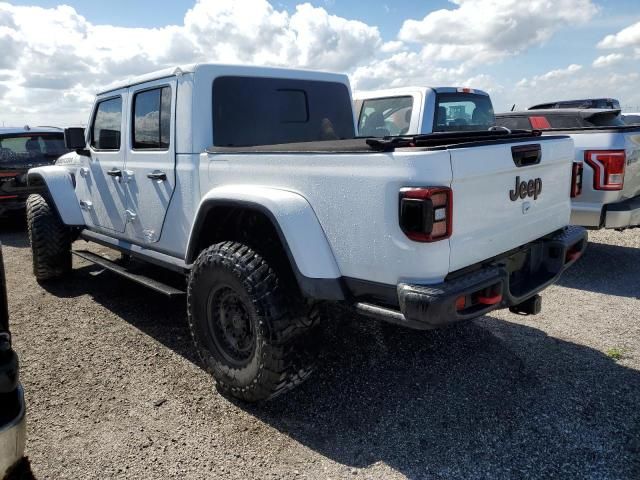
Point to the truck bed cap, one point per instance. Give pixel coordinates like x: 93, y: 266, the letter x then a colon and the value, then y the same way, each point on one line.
x: 225, y: 69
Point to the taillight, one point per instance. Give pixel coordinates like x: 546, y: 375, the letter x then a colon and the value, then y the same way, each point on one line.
x: 539, y: 123
x: 576, y: 179
x: 608, y: 168
x: 425, y: 213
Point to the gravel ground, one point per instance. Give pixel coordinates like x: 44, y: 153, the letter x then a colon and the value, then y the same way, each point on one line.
x: 114, y: 389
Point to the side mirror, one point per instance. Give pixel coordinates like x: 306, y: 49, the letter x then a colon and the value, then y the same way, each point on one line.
x: 74, y: 139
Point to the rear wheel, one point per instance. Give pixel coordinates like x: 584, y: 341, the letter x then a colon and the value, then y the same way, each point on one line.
x: 253, y: 333
x: 50, y: 239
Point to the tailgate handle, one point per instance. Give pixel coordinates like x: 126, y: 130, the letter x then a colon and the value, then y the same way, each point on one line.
x: 525, y: 155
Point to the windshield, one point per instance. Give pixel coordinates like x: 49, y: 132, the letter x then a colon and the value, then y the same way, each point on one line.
x: 380, y: 117
x: 463, y: 111
x: 31, y: 148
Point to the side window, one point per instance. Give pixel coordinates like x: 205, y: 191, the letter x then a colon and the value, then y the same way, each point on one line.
x: 385, y: 116
x: 152, y: 119
x: 105, y: 131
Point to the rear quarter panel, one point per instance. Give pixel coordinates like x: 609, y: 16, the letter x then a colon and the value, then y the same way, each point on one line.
x: 355, y: 198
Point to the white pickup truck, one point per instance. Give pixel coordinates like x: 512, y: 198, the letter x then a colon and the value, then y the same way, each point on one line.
x: 605, y: 187
x: 422, y: 110
x: 250, y: 183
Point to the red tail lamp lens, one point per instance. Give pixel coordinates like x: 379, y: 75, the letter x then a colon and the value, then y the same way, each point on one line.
x: 608, y: 168
x: 425, y: 213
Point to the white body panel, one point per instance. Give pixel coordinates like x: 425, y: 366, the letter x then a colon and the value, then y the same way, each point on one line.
x: 103, y: 197
x: 58, y: 180
x: 339, y: 211
x: 148, y: 195
x: 355, y: 199
x: 587, y: 208
x: 297, y: 222
x: 485, y: 219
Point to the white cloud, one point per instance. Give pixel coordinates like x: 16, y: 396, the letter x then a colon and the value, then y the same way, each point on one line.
x: 628, y: 37
x: 54, y: 60
x: 59, y: 59
x: 604, y: 61
x: 550, y: 77
x: 480, y: 31
x: 573, y: 82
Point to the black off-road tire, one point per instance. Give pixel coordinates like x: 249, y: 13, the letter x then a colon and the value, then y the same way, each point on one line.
x: 282, y: 339
x: 50, y: 240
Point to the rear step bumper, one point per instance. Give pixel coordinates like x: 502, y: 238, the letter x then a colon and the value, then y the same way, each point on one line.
x: 624, y: 214
x: 506, y: 282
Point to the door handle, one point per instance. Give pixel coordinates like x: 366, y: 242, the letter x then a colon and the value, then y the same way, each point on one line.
x: 157, y: 176
x: 114, y: 172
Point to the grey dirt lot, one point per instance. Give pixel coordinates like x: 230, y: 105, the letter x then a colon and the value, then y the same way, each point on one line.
x: 114, y: 389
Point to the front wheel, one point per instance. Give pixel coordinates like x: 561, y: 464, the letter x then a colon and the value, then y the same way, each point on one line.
x: 251, y: 331
x: 50, y: 239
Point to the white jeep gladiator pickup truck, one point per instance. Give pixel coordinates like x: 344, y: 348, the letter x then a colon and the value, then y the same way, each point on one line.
x: 422, y: 110
x: 250, y: 183
x: 605, y: 186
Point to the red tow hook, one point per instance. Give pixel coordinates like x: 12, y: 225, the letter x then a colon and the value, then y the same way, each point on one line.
x: 573, y: 253
x: 489, y: 300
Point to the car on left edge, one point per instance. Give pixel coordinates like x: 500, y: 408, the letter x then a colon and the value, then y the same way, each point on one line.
x: 21, y: 149
x: 12, y: 405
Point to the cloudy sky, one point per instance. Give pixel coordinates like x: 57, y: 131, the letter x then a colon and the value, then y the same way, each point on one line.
x: 55, y: 56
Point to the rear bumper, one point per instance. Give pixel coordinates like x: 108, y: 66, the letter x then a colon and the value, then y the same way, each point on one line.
x: 12, y: 432
x: 622, y: 214
x: 501, y: 283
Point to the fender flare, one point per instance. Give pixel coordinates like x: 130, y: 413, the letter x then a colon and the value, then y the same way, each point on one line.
x: 300, y: 232
x: 59, y: 185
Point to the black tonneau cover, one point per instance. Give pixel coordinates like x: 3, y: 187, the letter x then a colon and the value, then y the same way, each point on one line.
x: 612, y: 129
x: 432, y: 141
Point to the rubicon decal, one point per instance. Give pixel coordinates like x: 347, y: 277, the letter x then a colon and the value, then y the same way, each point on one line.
x: 524, y: 189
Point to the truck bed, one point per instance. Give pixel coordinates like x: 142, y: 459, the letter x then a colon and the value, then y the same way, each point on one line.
x: 432, y: 141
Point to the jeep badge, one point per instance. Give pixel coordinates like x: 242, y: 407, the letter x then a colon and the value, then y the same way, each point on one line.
x: 523, y: 189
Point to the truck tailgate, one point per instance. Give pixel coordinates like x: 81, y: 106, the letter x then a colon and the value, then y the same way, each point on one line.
x: 631, y: 187
x: 499, y: 205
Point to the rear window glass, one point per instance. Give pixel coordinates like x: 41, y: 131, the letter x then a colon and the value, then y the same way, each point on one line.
x: 631, y: 119
x: 33, y: 148
x: 592, y: 103
x: 585, y: 103
x: 514, y: 123
x: 463, y: 111
x: 265, y: 111
x: 565, y: 121
x: 381, y: 117
x: 604, y: 120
